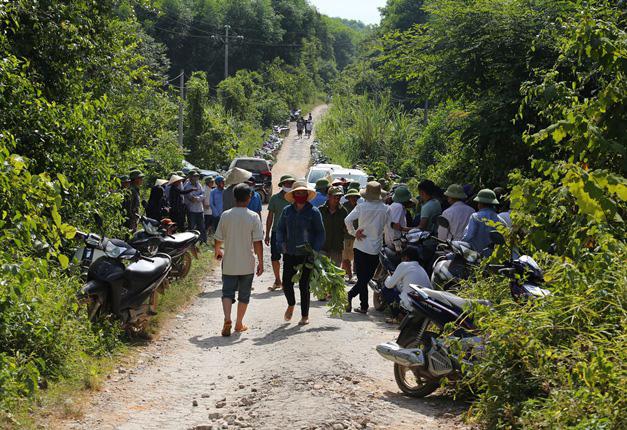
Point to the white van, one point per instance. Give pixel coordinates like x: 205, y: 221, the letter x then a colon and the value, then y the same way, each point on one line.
x: 351, y: 175
x: 320, y: 171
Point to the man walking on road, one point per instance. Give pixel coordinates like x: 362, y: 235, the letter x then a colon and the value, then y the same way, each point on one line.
x: 275, y: 208
x: 241, y: 232
x: 372, y: 216
x: 300, y: 225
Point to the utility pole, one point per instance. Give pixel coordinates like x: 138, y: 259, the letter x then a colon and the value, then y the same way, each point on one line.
x: 226, y: 40
x: 181, y: 98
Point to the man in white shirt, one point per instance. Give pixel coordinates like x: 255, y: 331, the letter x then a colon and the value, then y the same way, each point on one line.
x: 457, y: 214
x: 372, y: 216
x: 241, y: 232
x: 194, y: 202
x: 398, y: 217
x: 407, y: 273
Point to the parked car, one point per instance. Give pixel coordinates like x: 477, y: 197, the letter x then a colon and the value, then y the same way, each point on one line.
x: 320, y: 171
x: 351, y: 175
x: 187, y: 166
x: 261, y: 170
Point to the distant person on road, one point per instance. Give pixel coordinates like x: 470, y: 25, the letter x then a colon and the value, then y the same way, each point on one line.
x: 309, y: 126
x: 275, y: 208
x: 215, y: 201
x: 372, y: 217
x: 300, y: 126
x: 241, y: 232
x: 300, y: 224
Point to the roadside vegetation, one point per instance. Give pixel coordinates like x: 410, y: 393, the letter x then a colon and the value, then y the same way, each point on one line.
x: 87, y: 92
x: 531, y: 96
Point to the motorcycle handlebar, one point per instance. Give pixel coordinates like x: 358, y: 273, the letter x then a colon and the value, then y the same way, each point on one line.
x: 150, y: 260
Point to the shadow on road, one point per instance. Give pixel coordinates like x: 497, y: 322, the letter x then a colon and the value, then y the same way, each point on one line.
x: 216, y: 341
x: 283, y: 332
x: 434, y: 406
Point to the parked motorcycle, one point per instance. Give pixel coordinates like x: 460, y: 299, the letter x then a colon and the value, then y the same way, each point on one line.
x: 179, y: 246
x: 389, y: 259
x: 119, y: 280
x: 422, y: 358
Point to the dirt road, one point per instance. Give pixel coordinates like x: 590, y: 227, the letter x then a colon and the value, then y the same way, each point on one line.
x: 326, y: 375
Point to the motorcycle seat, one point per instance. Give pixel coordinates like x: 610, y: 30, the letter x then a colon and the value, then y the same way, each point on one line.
x: 179, y: 239
x: 450, y: 299
x: 141, y: 273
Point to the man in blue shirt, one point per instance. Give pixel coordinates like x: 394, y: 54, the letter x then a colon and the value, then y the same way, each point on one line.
x: 300, y: 224
x: 477, y: 232
x: 255, y: 204
x: 322, y: 190
x: 215, y: 201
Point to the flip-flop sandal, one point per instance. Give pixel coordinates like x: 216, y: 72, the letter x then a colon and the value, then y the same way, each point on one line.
x: 226, y: 329
x: 241, y: 329
x: 288, y: 313
x: 303, y: 321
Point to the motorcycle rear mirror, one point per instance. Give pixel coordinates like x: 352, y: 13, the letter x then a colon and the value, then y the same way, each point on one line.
x: 443, y: 222
x: 497, y: 238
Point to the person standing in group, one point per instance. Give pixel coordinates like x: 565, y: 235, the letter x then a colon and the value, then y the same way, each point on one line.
x: 157, y: 205
x: 322, y: 190
x: 255, y: 204
x: 300, y: 126
x: 352, y: 197
x: 300, y: 225
x: 372, y: 217
x: 333, y: 215
x: 398, y: 220
x: 309, y: 126
x: 194, y: 202
x: 215, y: 202
x: 241, y: 232
x: 206, y: 206
x: 177, y: 204
x: 275, y: 208
x: 477, y: 232
x: 457, y: 214
x: 137, y: 179
x: 431, y: 208
x: 232, y: 178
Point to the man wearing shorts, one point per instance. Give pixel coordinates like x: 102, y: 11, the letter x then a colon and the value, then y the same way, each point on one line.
x: 276, y: 205
x: 241, y: 232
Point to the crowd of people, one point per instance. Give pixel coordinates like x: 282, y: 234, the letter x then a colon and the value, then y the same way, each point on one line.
x: 340, y: 219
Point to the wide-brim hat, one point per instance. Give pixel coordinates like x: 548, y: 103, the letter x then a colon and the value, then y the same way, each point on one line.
x: 354, y: 186
x: 486, y: 196
x: 300, y: 186
x: 193, y: 173
x: 372, y: 191
x: 455, y: 191
x: 135, y: 174
x: 322, y: 184
x: 401, y: 195
x: 236, y: 176
x: 160, y: 182
x: 352, y: 192
x: 174, y: 179
x: 336, y: 191
x: 208, y: 179
x: 286, y: 178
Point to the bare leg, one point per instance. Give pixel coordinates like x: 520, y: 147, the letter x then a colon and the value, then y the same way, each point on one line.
x: 241, y: 311
x: 276, y: 268
x: 227, y: 304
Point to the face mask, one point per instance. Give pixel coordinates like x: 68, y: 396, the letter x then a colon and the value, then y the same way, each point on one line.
x: 287, y: 189
x: 300, y: 199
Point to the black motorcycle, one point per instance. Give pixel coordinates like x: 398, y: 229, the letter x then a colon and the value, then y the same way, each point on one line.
x: 422, y: 357
x: 179, y: 246
x: 120, y: 281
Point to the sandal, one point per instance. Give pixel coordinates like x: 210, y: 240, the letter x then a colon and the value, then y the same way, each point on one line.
x: 303, y: 321
x: 226, y: 329
x: 275, y: 286
x: 241, y: 329
x: 288, y: 313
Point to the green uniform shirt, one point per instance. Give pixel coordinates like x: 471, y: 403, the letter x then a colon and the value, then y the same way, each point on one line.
x: 334, y: 228
x: 276, y: 204
x: 431, y: 210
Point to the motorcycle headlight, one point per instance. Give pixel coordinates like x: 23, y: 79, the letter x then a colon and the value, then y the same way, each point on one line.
x: 111, y: 250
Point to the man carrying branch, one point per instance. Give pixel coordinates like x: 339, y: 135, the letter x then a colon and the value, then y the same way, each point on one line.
x: 241, y: 231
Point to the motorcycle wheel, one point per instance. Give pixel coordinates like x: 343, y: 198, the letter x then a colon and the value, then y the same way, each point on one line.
x: 409, y: 380
x: 182, y: 265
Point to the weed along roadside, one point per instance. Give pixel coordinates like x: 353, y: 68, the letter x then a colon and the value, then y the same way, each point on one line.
x: 69, y: 398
